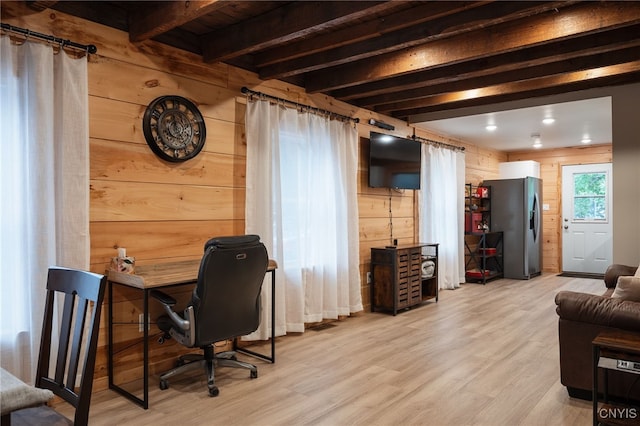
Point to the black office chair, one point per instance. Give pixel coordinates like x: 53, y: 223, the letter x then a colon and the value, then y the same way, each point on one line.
x: 225, y: 304
x: 81, y: 294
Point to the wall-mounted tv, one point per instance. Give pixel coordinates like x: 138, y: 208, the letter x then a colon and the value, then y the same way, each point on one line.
x: 394, y: 162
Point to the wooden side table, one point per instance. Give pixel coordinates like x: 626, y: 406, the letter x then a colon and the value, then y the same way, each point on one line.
x: 615, y: 350
x: 396, y: 276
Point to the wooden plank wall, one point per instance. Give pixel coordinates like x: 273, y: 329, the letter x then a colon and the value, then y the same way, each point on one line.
x: 163, y: 211
x: 551, y: 162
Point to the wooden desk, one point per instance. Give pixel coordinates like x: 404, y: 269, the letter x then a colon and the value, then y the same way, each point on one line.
x: 164, y: 275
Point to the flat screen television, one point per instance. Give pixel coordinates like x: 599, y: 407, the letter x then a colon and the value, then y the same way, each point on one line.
x: 394, y: 162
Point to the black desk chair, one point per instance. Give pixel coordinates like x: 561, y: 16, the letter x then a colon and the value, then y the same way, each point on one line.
x: 81, y: 295
x: 225, y: 304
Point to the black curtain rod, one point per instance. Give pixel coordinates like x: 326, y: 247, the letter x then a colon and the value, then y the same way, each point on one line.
x: 89, y: 48
x: 436, y: 143
x: 248, y: 91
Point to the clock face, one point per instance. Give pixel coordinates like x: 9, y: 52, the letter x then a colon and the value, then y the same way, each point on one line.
x: 174, y: 128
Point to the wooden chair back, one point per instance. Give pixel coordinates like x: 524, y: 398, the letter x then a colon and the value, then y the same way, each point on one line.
x: 68, y: 372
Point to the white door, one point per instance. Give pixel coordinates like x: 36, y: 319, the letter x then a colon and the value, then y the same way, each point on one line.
x: 586, y: 218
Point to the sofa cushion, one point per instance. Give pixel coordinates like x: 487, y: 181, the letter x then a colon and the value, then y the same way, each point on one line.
x: 17, y: 395
x: 598, y: 310
x: 628, y: 288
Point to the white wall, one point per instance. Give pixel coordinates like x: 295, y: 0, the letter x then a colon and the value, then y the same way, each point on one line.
x: 626, y: 174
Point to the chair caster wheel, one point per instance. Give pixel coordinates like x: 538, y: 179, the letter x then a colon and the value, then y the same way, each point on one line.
x: 164, y: 385
x: 214, y: 391
x: 254, y: 374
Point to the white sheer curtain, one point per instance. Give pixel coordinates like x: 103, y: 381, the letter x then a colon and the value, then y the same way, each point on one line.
x: 302, y: 200
x: 44, y: 188
x: 441, y: 210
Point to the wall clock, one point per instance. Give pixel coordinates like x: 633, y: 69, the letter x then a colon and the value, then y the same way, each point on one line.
x: 174, y: 128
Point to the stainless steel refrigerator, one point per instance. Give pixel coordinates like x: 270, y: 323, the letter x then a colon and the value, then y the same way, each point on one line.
x: 516, y: 210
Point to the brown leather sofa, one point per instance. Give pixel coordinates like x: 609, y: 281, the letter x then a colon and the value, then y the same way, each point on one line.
x: 582, y: 317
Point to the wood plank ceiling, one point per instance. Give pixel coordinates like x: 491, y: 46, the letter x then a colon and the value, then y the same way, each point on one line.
x: 406, y: 59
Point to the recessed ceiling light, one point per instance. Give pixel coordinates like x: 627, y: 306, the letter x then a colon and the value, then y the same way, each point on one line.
x: 548, y: 120
x: 491, y: 127
x: 586, y: 140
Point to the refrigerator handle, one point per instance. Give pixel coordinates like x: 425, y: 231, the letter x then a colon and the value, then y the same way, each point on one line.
x: 533, y: 217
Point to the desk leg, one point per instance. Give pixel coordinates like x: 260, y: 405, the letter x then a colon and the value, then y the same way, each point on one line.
x: 144, y: 403
x: 273, y: 316
x: 594, y: 396
x: 271, y: 358
x: 110, y: 348
x: 145, y: 321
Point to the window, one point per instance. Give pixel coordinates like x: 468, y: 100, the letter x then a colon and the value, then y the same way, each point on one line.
x: 590, y: 197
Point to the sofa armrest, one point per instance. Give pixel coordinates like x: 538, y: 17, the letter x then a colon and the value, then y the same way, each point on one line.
x: 614, y: 271
x: 598, y: 310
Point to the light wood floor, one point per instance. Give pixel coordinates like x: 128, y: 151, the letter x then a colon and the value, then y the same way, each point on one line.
x: 483, y: 355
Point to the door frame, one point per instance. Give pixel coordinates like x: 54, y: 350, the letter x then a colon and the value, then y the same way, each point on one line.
x: 563, y: 202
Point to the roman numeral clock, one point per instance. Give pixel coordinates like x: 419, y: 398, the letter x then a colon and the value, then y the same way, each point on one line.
x: 174, y: 128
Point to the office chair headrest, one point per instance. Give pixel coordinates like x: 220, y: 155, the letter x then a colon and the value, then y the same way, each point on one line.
x: 232, y: 242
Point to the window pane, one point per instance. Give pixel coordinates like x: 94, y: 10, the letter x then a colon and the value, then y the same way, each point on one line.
x: 590, y: 184
x: 589, y: 208
x: 590, y: 196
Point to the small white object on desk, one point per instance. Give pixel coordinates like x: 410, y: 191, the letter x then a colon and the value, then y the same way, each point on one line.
x: 122, y: 263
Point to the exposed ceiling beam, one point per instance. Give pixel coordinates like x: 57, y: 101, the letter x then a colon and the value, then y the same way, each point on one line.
x: 357, y: 41
x: 40, y: 5
x: 524, y: 74
x: 581, y: 53
x: 382, y: 90
x: 364, y: 31
x: 571, y: 22
x: 425, y: 28
x: 149, y: 22
x: 552, y: 84
x: 284, y: 24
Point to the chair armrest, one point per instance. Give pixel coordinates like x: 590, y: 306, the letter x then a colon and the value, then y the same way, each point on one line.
x: 167, y: 303
x: 614, y: 271
x: 598, y: 310
x: 162, y: 297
